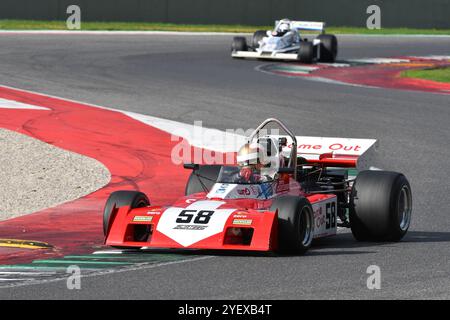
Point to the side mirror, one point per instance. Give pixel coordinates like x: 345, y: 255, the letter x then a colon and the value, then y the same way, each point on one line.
x: 286, y: 170
x: 191, y: 166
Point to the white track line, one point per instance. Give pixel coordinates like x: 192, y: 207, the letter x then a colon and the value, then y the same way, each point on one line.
x: 197, y: 135
x: 11, y: 104
x: 11, y: 279
x: 194, y: 134
x: 27, y: 273
x: 433, y: 57
x: 136, y: 267
x: 108, y: 252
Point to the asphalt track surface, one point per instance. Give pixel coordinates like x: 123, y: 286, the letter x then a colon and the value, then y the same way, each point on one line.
x: 187, y: 78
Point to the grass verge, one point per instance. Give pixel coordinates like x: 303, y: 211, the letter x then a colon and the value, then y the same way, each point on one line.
x: 150, y: 26
x: 439, y: 75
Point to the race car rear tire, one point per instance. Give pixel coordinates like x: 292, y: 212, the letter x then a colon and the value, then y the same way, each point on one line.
x: 257, y: 36
x: 117, y: 199
x: 239, y: 44
x: 204, y: 177
x: 306, y: 52
x: 295, y: 224
x: 328, y: 47
x: 380, y: 206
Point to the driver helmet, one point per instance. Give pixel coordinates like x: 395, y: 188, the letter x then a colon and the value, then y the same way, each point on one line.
x: 284, y: 26
x: 255, y: 161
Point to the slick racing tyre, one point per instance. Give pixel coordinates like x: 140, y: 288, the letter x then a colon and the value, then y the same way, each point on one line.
x: 258, y: 36
x: 202, y: 179
x: 380, y: 206
x: 295, y: 224
x: 239, y: 44
x: 117, y: 199
x: 306, y: 52
x: 328, y: 47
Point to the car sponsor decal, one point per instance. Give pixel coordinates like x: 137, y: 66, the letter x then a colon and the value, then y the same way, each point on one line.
x: 189, y: 227
x: 143, y: 218
x: 244, y: 191
x: 243, y: 222
x: 267, y: 190
x: 240, y: 214
x: 198, y: 221
x: 255, y: 190
x: 325, y: 217
x: 282, y: 186
x: 237, y: 191
x: 222, y: 188
x: 154, y: 211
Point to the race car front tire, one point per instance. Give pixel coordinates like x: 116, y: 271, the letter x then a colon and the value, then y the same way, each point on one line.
x: 202, y: 179
x: 295, y: 224
x: 117, y: 199
x: 328, y: 47
x: 380, y: 206
x: 306, y: 52
x: 239, y: 44
x: 257, y: 37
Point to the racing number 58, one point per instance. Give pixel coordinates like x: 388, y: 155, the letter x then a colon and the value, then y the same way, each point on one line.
x: 330, y: 213
x: 202, y: 216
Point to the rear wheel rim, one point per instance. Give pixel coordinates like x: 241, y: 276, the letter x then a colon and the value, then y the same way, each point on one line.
x: 306, y: 226
x: 404, y: 208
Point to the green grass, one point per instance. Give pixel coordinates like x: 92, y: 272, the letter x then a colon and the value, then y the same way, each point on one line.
x: 149, y: 26
x: 123, y: 26
x: 439, y: 75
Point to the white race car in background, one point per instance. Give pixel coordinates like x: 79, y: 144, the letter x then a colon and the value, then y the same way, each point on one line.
x: 285, y: 43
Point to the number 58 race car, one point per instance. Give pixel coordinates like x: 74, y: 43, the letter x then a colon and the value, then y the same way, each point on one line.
x: 279, y: 196
x: 285, y: 43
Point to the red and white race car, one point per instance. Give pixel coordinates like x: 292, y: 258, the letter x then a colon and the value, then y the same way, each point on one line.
x: 279, y: 197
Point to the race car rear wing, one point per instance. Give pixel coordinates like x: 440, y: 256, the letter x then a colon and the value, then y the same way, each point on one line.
x: 328, y: 152
x: 335, y: 152
x: 307, y: 25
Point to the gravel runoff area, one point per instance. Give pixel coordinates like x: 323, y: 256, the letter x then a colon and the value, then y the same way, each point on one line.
x: 36, y: 175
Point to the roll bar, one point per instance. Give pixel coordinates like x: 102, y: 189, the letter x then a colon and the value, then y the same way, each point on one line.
x: 293, y: 156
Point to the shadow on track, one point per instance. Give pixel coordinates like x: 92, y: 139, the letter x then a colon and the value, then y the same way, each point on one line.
x: 427, y: 236
x: 341, y: 241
